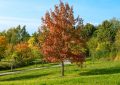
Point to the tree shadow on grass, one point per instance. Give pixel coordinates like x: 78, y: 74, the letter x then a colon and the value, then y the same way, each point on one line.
x: 112, y: 70
x: 25, y: 77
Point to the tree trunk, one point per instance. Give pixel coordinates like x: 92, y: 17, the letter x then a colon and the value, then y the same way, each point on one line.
x: 62, y: 68
x: 11, y: 66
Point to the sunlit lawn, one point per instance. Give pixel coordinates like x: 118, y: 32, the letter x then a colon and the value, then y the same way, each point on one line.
x: 99, y: 73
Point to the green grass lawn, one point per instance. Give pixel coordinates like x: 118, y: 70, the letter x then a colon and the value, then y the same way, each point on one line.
x: 99, y: 73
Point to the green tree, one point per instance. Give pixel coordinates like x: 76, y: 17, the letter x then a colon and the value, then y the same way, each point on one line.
x: 24, y: 34
x: 101, y: 45
x: 87, y: 31
x: 17, y: 34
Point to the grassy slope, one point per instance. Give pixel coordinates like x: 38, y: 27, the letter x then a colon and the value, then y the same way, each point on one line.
x: 100, y: 73
x: 29, y: 67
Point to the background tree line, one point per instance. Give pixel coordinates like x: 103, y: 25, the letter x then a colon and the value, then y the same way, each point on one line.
x: 101, y: 42
x: 18, y: 47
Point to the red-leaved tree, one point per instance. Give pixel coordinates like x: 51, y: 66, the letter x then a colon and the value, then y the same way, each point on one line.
x: 62, y: 36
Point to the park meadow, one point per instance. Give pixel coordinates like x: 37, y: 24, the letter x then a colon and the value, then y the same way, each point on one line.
x: 63, y: 51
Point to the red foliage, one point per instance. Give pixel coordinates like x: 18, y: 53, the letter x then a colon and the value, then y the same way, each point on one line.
x: 60, y: 24
x: 22, y: 47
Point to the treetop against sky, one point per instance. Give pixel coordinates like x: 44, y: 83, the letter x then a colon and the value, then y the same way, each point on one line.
x: 29, y: 12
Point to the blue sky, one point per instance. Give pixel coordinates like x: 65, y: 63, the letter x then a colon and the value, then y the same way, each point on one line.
x: 29, y: 12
